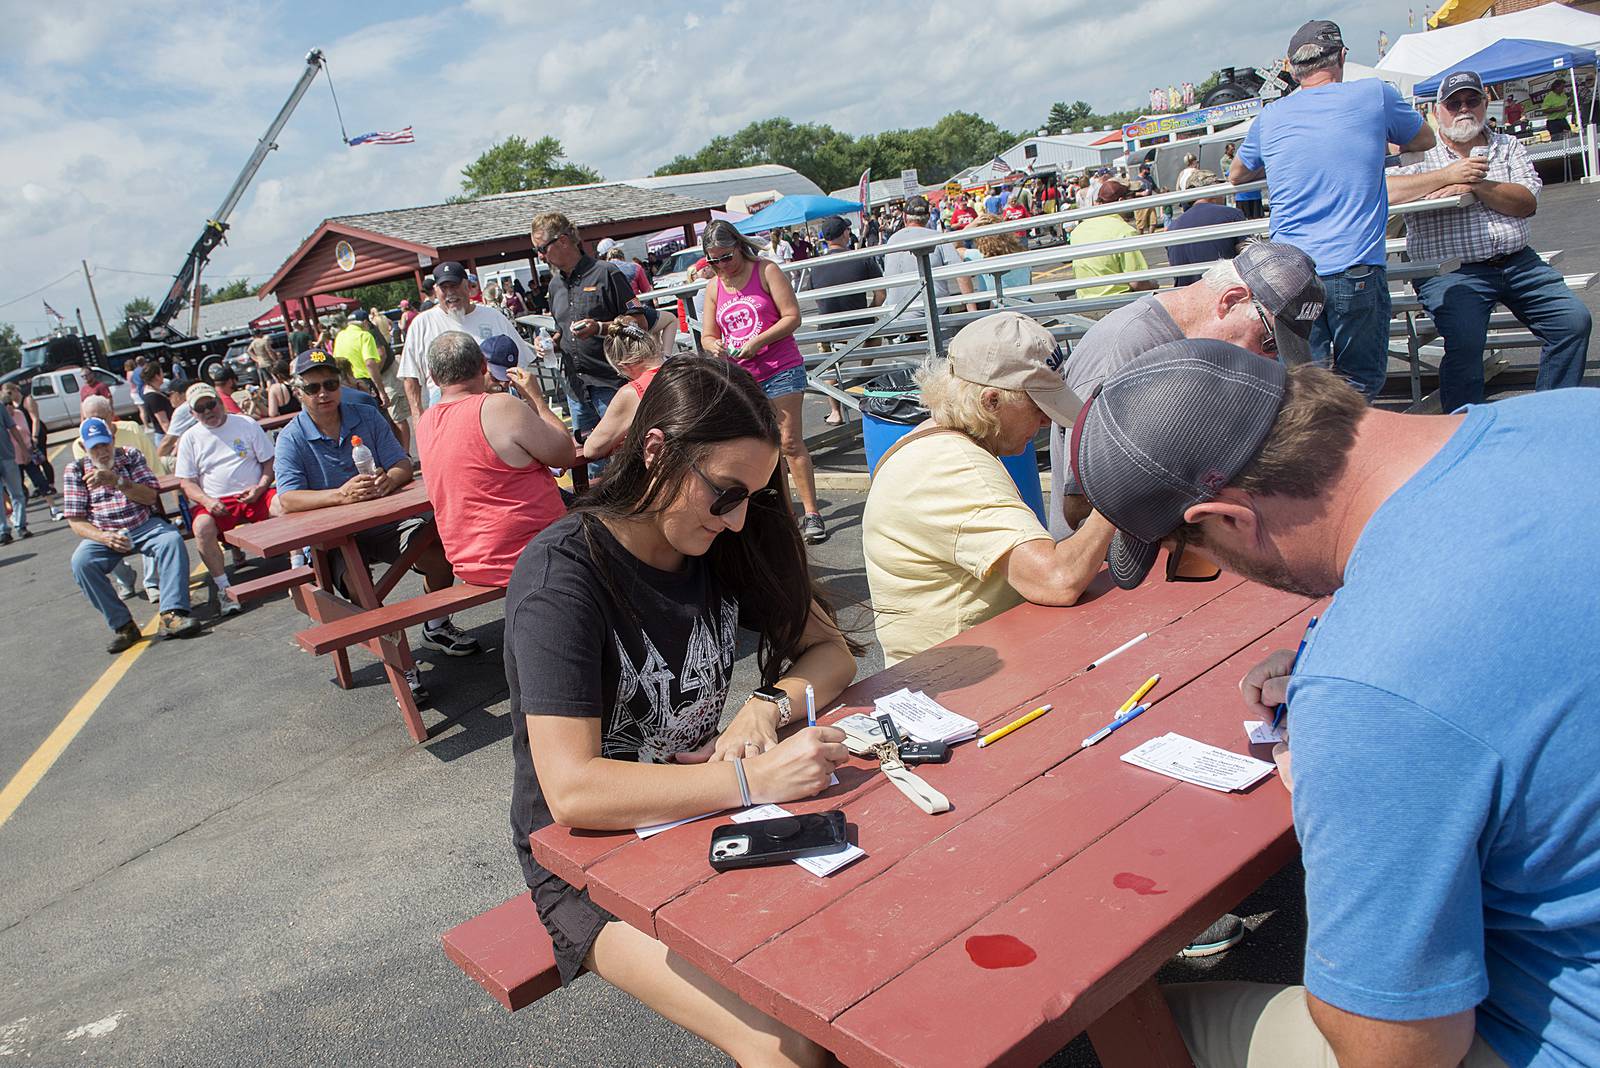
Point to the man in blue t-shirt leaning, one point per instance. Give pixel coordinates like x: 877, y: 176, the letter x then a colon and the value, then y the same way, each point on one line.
x: 1322, y: 150
x: 1442, y: 715
x: 315, y: 468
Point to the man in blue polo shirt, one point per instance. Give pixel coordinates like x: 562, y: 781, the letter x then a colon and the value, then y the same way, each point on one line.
x: 315, y: 469
x: 1441, y: 716
x: 1322, y: 150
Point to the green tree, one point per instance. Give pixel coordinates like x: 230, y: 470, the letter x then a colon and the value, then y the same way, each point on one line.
x: 1064, y: 116
x: 384, y: 295
x: 121, y: 337
x: 234, y: 290
x: 10, y: 348
x: 514, y: 165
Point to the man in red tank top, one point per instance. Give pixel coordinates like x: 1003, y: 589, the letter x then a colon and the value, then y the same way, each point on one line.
x: 488, y: 458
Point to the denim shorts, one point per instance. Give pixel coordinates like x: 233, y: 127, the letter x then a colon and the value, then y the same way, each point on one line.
x: 785, y: 382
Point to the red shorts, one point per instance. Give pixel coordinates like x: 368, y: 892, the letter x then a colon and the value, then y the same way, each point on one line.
x: 236, y: 511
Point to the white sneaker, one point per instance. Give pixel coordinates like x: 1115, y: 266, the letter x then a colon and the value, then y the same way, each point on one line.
x: 419, y: 692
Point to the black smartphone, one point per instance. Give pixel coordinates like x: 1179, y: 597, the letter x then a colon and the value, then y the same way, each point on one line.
x: 749, y: 845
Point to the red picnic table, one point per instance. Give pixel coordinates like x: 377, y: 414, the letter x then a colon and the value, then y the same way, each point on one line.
x: 1044, y: 902
x: 366, y: 622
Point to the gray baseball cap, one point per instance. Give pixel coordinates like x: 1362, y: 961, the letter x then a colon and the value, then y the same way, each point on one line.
x: 1284, y: 279
x: 1168, y: 431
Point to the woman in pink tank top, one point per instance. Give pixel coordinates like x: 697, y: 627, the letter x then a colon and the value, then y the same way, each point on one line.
x: 750, y: 317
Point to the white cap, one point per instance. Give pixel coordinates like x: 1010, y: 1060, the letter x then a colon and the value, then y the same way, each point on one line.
x: 606, y: 245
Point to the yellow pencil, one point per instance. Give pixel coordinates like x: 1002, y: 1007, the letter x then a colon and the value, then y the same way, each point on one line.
x: 1138, y: 695
x: 995, y: 736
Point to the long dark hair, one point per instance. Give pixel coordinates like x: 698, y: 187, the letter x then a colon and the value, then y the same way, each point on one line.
x: 697, y: 403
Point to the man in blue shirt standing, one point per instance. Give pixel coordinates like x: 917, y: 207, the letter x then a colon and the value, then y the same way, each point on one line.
x: 1441, y: 715
x: 1322, y: 150
x: 315, y: 468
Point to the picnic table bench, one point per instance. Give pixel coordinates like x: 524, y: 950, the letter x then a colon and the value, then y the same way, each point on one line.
x: 1039, y: 907
x: 365, y: 619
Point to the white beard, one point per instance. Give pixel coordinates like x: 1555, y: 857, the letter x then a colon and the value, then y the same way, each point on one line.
x: 1462, y: 130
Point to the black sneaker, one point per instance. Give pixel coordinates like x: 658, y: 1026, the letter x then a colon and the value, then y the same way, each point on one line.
x: 812, y: 530
x: 419, y: 692
x: 25, y: 534
x: 178, y: 625
x: 448, y: 640
x: 5, y: 537
x: 124, y: 637
x: 1218, y: 938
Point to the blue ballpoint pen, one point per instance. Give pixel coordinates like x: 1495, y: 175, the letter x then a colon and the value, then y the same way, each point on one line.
x: 1125, y: 718
x: 1278, y: 713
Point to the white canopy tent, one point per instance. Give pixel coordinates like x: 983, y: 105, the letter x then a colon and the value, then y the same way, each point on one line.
x: 1401, y: 80
x: 1426, y: 54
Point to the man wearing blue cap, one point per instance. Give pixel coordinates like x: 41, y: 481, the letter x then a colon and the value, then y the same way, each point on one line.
x: 106, y: 500
x: 1490, y: 238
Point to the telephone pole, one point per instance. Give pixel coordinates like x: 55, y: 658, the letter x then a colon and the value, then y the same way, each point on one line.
x: 105, y: 335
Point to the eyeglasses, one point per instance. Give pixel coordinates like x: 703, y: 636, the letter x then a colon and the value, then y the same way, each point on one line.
x: 1184, y: 566
x: 204, y: 407
x: 730, y: 497
x: 1270, y: 341
x: 540, y: 250
x: 311, y: 389
x: 714, y: 260
x: 1462, y: 102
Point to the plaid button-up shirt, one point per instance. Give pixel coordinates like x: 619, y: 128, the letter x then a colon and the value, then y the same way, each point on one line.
x: 107, y: 508
x: 1472, y: 233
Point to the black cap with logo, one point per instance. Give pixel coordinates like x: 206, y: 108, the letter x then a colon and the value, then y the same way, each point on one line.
x: 1459, y: 80
x: 1321, y: 33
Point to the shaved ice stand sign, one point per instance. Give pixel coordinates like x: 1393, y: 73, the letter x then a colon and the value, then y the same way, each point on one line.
x: 1167, y: 125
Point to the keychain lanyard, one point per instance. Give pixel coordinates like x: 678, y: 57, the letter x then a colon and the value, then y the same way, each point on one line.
x: 907, y: 781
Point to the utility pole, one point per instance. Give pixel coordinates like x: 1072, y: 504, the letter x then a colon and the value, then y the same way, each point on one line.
x: 105, y: 335
x: 82, y: 331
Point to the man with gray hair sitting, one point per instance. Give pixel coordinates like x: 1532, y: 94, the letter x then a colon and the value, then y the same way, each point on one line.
x: 488, y: 458
x: 947, y: 538
x: 1266, y: 299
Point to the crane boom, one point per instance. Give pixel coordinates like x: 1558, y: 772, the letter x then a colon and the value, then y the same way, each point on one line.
x: 158, y: 327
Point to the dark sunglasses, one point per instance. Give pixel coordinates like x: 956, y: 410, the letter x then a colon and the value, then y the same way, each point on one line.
x: 1270, y: 343
x: 540, y: 250
x: 1196, y: 568
x: 714, y: 260
x: 311, y: 389
x: 730, y: 497
x: 204, y: 407
x: 1463, y: 102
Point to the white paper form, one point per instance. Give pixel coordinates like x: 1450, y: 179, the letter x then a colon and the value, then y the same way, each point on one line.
x: 820, y: 866
x: 923, y: 719
x: 1263, y: 733
x: 1195, y: 762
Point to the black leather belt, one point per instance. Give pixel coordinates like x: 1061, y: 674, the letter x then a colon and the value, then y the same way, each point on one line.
x: 1500, y: 261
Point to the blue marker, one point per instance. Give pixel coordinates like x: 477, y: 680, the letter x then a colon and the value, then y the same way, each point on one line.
x: 1122, y: 720
x: 1278, y: 713
x: 811, y: 706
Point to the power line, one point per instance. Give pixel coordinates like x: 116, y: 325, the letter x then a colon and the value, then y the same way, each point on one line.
x: 17, y: 300
x: 159, y: 274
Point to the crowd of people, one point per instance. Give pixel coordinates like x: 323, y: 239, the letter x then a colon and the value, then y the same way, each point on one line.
x: 1440, y: 755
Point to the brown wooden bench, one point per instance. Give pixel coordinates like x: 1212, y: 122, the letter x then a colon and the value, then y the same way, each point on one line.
x: 506, y: 951
x: 267, y: 585
x: 365, y: 624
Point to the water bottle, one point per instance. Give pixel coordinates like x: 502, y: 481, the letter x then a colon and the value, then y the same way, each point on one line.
x: 542, y: 343
x: 362, y: 456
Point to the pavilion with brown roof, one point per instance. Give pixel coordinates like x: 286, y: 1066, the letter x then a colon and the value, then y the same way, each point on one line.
x: 358, y: 250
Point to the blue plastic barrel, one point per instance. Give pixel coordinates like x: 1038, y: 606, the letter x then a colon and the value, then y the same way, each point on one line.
x: 877, y: 435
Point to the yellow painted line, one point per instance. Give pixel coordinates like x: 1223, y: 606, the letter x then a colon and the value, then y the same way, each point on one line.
x: 43, y: 758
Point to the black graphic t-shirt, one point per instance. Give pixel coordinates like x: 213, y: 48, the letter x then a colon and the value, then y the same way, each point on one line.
x: 654, y: 668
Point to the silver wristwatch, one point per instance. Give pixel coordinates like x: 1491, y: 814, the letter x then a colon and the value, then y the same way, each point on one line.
x: 777, y: 697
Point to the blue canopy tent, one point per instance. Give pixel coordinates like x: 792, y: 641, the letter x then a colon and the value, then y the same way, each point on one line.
x: 794, y: 210
x: 1515, y: 57
x: 1511, y: 58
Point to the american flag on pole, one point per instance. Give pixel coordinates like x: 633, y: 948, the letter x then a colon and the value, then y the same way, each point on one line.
x: 396, y: 137
x: 1000, y: 166
x: 57, y: 316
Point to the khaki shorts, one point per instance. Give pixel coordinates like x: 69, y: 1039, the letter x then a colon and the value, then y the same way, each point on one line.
x: 1260, y: 1025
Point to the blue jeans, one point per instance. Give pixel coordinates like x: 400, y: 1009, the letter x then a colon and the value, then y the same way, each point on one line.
x: 588, y: 406
x: 11, y: 487
x: 1462, y: 301
x: 92, y: 564
x: 1355, y: 320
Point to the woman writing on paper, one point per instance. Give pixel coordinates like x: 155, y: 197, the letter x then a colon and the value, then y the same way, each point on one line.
x: 621, y: 635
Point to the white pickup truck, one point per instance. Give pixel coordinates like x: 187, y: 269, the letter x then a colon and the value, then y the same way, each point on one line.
x: 58, y: 394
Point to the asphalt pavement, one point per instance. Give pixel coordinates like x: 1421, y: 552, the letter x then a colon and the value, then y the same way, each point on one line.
x: 237, y: 862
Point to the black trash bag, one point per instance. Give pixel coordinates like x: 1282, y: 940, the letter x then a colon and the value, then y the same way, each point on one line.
x: 894, y: 398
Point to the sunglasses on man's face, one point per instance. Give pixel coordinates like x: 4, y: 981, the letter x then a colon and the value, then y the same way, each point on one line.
x: 726, y: 499
x: 311, y: 389
x: 540, y: 250
x: 1269, y: 341
x: 1463, y: 102
x: 205, y: 407
x: 1184, y: 566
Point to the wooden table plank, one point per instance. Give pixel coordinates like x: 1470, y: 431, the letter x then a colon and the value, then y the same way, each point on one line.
x: 326, y: 526
x: 1102, y: 923
x: 845, y: 950
x: 987, y: 673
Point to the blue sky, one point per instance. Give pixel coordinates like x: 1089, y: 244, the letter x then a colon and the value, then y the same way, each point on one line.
x: 122, y: 128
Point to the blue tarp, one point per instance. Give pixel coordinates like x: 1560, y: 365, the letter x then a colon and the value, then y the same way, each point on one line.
x: 1511, y: 58
x: 794, y: 210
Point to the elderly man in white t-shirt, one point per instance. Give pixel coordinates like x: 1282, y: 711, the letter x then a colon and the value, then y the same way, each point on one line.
x: 455, y: 311
x: 225, y: 468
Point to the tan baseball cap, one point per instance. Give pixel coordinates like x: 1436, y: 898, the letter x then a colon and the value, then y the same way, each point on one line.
x: 198, y: 391
x: 1008, y: 350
